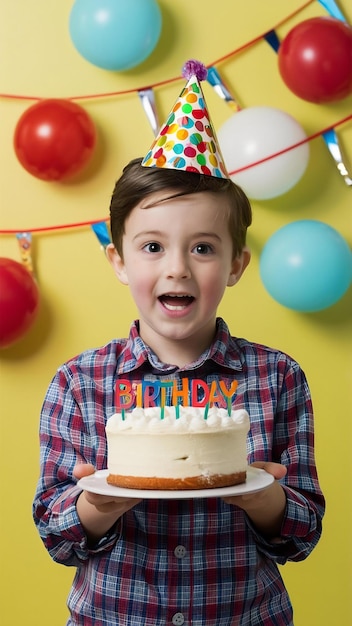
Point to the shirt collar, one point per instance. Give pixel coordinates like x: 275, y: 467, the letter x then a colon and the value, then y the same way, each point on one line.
x: 223, y: 351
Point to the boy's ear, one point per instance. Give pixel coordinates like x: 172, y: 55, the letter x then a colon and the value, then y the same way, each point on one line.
x: 239, y: 264
x: 117, y: 263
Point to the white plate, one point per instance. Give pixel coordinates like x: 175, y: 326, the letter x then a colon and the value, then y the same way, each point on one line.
x: 257, y: 479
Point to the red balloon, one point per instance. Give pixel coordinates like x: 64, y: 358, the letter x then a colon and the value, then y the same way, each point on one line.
x: 315, y: 60
x: 19, y: 301
x: 54, y: 139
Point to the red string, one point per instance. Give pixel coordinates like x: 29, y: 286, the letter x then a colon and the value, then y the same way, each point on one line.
x: 39, y: 229
x: 168, y: 80
x: 259, y: 37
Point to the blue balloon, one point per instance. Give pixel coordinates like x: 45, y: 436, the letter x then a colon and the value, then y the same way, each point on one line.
x: 306, y: 266
x: 115, y: 34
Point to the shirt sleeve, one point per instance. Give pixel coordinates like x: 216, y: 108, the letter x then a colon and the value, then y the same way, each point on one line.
x: 66, y: 438
x: 292, y: 433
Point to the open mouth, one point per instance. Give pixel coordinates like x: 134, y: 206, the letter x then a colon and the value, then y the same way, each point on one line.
x: 176, y: 302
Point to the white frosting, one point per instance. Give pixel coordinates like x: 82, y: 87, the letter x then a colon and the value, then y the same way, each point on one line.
x: 191, y: 419
x: 143, y: 444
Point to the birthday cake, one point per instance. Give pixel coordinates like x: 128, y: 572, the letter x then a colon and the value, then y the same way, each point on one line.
x: 178, y: 448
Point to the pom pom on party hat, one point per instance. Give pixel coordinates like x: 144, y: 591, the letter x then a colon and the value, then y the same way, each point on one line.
x: 187, y: 141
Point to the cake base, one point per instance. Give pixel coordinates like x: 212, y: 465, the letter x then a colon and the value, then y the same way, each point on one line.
x: 177, y: 484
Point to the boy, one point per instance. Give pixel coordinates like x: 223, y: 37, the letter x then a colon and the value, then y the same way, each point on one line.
x: 178, y: 242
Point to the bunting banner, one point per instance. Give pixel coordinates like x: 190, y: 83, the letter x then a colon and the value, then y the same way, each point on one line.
x: 333, y: 145
x: 25, y: 245
x: 332, y: 9
x: 102, y: 233
x: 214, y: 79
x: 147, y: 98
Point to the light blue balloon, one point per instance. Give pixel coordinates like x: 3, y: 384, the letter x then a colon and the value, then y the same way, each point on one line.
x: 306, y: 266
x: 115, y: 34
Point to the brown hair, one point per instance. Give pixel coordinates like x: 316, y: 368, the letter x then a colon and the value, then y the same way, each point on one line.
x: 137, y: 182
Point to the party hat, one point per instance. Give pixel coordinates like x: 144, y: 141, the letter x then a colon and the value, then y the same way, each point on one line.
x: 187, y: 141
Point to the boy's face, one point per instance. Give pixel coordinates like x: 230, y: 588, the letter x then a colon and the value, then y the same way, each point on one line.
x: 177, y: 261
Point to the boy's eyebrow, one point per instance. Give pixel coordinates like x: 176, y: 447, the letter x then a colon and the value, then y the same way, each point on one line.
x: 148, y: 233
x: 159, y: 233
x: 207, y: 235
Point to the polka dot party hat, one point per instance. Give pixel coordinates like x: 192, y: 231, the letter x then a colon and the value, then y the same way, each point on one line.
x: 187, y: 141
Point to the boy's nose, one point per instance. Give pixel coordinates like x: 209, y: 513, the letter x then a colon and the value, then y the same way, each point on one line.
x: 178, y: 267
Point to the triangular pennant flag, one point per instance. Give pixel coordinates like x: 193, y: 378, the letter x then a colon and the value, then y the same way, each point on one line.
x: 25, y: 244
x: 147, y: 99
x: 214, y: 79
x: 102, y: 233
x: 331, y: 139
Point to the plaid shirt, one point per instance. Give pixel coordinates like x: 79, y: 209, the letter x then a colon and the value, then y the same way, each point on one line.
x: 196, y: 562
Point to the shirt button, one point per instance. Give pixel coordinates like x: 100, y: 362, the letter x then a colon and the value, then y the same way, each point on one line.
x: 178, y: 619
x: 180, y: 552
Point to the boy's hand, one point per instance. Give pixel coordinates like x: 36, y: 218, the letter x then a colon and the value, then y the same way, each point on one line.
x: 265, y: 508
x: 83, y: 469
x: 103, y: 504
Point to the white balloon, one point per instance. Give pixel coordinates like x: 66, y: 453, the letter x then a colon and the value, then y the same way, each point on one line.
x: 258, y: 132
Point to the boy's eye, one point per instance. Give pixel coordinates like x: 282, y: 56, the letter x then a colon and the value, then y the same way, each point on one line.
x: 152, y: 247
x: 203, y: 248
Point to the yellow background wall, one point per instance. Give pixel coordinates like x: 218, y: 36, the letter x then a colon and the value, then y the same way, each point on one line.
x: 84, y: 306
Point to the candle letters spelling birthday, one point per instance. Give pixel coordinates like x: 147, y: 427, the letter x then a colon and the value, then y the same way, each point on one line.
x: 187, y: 392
